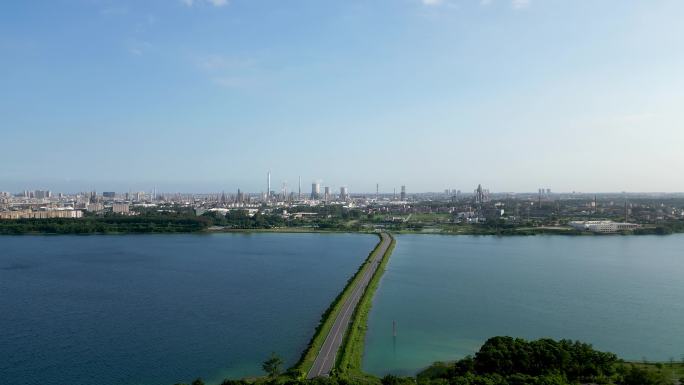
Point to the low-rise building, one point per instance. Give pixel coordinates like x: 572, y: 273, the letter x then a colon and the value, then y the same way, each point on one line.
x: 605, y: 227
x: 42, y: 214
x: 121, y: 208
x: 95, y: 207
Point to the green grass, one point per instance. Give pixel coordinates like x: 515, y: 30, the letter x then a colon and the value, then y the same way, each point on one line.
x: 669, y: 371
x: 349, y: 361
x: 328, y: 319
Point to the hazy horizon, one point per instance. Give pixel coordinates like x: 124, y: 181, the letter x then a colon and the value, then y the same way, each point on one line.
x: 208, y: 95
x: 69, y: 187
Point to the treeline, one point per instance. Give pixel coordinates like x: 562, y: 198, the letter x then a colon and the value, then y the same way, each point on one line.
x: 514, y: 361
x: 332, y: 217
x: 500, y: 361
x: 663, y: 228
x: 106, y: 225
x: 240, y: 219
x: 156, y: 221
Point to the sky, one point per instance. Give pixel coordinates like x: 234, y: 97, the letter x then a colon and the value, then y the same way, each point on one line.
x: 208, y: 95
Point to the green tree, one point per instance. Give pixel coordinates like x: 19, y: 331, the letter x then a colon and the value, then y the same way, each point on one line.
x: 273, y: 365
x: 637, y: 376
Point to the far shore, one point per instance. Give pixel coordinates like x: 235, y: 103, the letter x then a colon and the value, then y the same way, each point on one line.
x: 515, y: 232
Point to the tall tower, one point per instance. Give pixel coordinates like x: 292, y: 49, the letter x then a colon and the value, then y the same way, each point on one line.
x: 268, y: 185
x: 541, y: 192
x: 315, y: 190
x: 377, y: 191
x: 300, y: 188
x: 479, y: 194
x: 344, y: 193
x: 626, y: 212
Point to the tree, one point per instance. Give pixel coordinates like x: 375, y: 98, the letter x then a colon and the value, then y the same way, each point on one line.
x: 198, y: 381
x: 394, y: 380
x: 637, y: 376
x: 272, y: 365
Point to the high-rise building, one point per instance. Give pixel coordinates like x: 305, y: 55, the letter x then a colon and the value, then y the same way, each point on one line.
x: 403, y: 193
x: 120, y: 208
x: 344, y: 193
x: 481, y: 195
x: 315, y: 190
x: 42, y: 194
x: 326, y: 194
x: 268, y: 185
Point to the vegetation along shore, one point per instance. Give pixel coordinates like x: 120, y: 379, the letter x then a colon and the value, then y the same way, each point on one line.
x: 502, y: 361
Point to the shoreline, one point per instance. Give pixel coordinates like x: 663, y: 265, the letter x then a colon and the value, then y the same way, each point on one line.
x: 528, y: 232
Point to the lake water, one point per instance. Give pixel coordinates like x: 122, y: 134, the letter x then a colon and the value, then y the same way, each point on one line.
x: 448, y: 294
x: 161, y: 309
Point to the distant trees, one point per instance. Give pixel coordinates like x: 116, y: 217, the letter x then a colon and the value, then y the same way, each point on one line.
x: 106, y: 224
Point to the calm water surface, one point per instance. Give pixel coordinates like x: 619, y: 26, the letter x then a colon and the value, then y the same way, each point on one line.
x: 448, y: 294
x: 161, y: 309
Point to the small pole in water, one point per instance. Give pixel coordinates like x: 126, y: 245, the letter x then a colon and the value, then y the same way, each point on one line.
x: 394, y: 338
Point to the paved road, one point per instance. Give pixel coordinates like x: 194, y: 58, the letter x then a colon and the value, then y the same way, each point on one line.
x: 325, y: 360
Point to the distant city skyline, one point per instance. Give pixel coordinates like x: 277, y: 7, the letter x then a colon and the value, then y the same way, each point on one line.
x: 69, y: 187
x: 206, y: 96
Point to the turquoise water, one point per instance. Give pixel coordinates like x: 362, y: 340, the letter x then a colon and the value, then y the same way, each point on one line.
x: 161, y: 309
x: 448, y: 294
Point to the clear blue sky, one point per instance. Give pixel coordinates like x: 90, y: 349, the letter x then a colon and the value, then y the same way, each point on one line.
x: 208, y: 95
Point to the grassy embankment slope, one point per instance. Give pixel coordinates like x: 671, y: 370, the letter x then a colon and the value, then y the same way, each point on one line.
x: 349, y: 361
x: 328, y: 319
x: 670, y: 371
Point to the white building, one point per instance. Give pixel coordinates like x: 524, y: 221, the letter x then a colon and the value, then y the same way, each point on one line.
x: 604, y: 227
x: 42, y: 214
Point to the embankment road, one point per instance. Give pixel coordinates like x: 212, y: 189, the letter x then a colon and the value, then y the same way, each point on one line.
x: 325, y: 360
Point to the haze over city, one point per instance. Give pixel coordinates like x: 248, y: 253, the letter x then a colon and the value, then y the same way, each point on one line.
x: 208, y: 95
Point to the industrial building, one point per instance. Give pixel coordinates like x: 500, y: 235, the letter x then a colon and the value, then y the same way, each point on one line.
x: 603, y: 227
